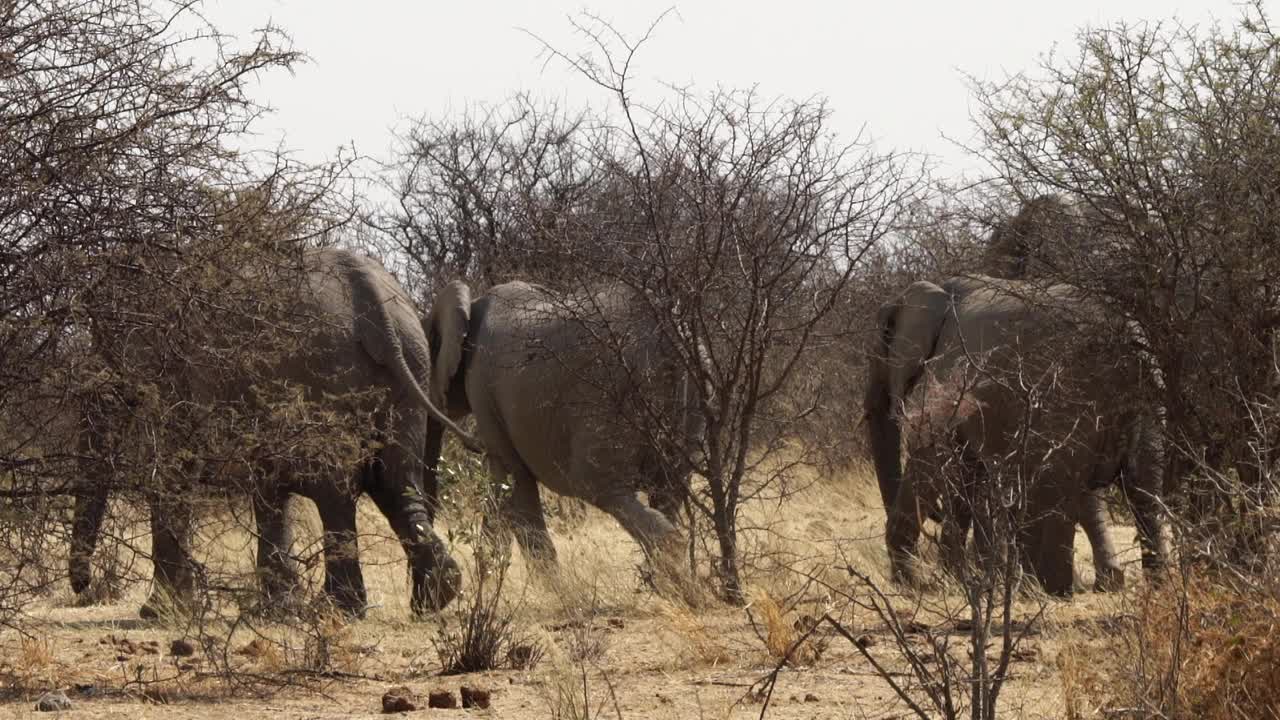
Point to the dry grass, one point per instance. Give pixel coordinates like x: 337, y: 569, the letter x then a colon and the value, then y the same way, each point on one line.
x: 663, y: 660
x: 694, y: 642
x: 785, y: 630
x: 1201, y: 648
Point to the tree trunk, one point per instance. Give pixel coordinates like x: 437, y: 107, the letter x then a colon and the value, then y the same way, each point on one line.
x: 727, y: 537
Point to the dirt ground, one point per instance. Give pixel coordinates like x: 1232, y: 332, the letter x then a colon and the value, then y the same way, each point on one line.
x: 603, y: 637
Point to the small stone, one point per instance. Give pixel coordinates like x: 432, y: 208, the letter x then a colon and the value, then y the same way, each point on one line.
x: 182, y: 648
x: 442, y: 699
x: 53, y: 701
x: 810, y: 697
x: 475, y: 698
x: 399, y: 699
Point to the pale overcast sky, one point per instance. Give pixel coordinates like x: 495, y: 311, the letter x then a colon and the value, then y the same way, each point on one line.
x: 893, y: 65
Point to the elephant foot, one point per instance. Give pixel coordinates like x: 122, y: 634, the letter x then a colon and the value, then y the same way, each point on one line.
x: 348, y: 601
x: 1108, y: 579
x: 433, y: 591
x: 81, y: 577
x: 277, y: 604
x: 162, y: 605
x: 1065, y: 592
x: 904, y: 571
x: 669, y: 578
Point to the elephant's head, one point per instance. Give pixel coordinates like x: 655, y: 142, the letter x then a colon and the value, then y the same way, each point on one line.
x: 447, y: 331
x: 907, y: 330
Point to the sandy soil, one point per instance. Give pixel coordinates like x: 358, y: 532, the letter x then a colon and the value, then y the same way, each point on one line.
x: 638, y: 656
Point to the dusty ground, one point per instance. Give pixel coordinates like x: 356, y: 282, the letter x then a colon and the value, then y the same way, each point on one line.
x: 639, y: 656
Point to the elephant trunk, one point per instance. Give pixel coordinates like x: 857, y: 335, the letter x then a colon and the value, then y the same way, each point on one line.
x: 90, y: 508
x: 901, y: 533
x: 884, y: 435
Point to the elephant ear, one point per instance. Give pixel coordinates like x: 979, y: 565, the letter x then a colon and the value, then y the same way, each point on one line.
x: 917, y: 322
x: 450, y: 317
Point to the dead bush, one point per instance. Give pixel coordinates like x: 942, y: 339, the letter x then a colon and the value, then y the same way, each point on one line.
x: 484, y: 632
x: 1205, y: 647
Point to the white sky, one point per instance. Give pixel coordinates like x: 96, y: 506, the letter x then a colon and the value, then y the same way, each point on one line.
x: 895, y: 65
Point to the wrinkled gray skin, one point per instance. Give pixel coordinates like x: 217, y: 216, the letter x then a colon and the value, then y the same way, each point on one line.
x: 367, y: 337
x: 988, y: 323
x: 530, y: 366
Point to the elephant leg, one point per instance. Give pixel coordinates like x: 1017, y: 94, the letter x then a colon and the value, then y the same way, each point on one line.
x: 1053, y: 555
x: 497, y: 525
x: 343, y: 578
x: 90, y: 508
x: 1140, y: 482
x: 393, y: 482
x: 173, y: 579
x: 667, y: 494
x: 90, y: 503
x: 277, y: 570
x: 432, y: 449
x: 661, y: 542
x: 1092, y: 514
x: 524, y: 509
x: 650, y: 528
x: 955, y: 533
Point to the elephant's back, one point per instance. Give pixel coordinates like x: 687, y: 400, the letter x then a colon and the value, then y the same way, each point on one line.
x: 353, y: 310
x: 544, y: 385
x: 514, y: 390
x: 1045, y: 338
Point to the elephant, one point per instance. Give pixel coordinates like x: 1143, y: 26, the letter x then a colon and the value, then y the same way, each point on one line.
x: 551, y: 379
x: 1091, y: 431
x: 366, y: 346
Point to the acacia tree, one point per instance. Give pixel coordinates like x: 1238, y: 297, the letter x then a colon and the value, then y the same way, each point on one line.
x: 124, y: 212
x: 742, y: 220
x: 497, y: 192
x: 1166, y: 139
x: 739, y: 223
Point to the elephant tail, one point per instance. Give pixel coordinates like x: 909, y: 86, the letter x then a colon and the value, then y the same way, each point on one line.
x: 404, y: 376
x: 393, y: 356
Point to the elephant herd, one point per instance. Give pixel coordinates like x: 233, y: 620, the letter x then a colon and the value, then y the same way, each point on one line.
x: 519, y: 359
x: 528, y: 365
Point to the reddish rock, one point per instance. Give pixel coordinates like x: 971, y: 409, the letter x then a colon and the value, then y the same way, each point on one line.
x: 475, y: 698
x: 443, y: 699
x: 399, y: 699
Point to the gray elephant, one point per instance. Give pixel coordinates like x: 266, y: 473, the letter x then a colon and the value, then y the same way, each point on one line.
x: 1091, y: 430
x: 557, y: 385
x: 367, y: 346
